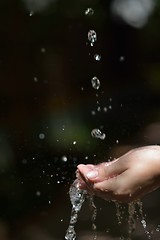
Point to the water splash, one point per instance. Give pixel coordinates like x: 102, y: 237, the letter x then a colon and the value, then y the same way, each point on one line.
x: 89, y: 12
x: 142, y: 219
x: 97, y: 57
x: 96, y: 133
x: 77, y: 197
x: 135, y: 213
x: 92, y: 37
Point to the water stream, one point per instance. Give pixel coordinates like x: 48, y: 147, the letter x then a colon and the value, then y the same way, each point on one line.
x: 77, y: 198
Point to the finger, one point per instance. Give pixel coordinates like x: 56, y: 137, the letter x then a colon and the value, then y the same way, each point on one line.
x: 111, y: 169
x: 82, y: 171
x: 103, y: 171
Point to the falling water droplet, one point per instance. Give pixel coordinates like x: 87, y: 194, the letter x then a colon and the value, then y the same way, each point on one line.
x: 92, y: 37
x: 35, y: 79
x: 64, y: 159
x: 43, y: 50
x: 98, y: 108
x: 97, y: 57
x: 24, y: 161
x: 95, y: 83
x: 96, y: 133
x: 89, y: 12
x: 93, y: 112
x: 122, y: 58
x: 31, y: 13
x: 41, y: 136
x: 158, y: 228
x: 38, y: 193
x: 82, y: 88
x: 105, y: 109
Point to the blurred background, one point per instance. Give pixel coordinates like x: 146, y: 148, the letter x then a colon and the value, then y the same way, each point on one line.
x: 48, y: 108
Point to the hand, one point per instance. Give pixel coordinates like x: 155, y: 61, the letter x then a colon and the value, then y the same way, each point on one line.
x: 125, y: 179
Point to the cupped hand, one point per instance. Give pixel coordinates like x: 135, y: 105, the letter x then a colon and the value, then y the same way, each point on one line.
x: 125, y: 179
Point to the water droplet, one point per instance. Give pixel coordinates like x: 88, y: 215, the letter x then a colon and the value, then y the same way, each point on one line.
x: 117, y: 141
x: 97, y: 57
x: 43, y: 50
x: 122, y: 58
x: 24, y: 161
x: 49, y: 202
x: 38, y: 193
x: 74, y: 142
x: 89, y: 12
x: 105, y: 109
x: 158, y: 228
x: 95, y: 83
x: 31, y: 13
x: 82, y: 88
x: 94, y: 227
x: 93, y: 112
x: 64, y: 159
x: 92, y: 37
x: 98, y: 108
x: 41, y: 136
x: 35, y: 79
x: 144, y: 224
x: 96, y: 133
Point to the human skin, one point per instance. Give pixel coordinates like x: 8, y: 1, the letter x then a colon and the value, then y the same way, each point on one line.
x: 125, y: 179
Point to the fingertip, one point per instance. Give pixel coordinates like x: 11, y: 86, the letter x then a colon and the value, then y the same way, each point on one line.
x: 92, y: 174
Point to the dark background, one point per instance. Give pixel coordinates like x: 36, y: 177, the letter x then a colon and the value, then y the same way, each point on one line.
x: 47, y: 104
